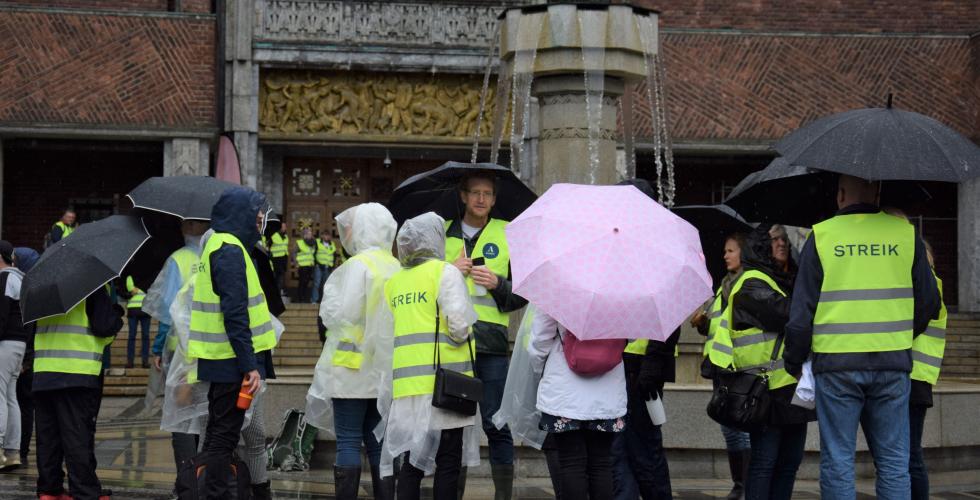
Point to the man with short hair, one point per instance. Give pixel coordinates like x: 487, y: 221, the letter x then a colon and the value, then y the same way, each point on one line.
x: 305, y: 258
x: 279, y: 251
x: 63, y: 227
x: 863, y: 292
x: 325, y: 253
x: 478, y: 236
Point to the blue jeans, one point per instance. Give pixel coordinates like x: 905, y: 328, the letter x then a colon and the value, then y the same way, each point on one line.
x: 917, y: 465
x: 354, y: 421
x: 639, y: 463
x: 320, y: 275
x: 491, y: 369
x: 880, y: 401
x: 144, y: 324
x: 735, y: 440
x: 776, y: 455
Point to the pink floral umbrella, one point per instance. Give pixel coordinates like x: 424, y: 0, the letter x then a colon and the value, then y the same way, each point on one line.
x: 608, y: 262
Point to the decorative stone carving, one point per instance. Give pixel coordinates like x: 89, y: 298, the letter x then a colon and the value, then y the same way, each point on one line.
x: 380, y: 23
x: 577, y: 133
x: 315, y: 104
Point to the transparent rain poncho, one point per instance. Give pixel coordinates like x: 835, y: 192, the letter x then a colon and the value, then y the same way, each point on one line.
x: 353, y: 308
x: 411, y: 424
x: 518, y: 406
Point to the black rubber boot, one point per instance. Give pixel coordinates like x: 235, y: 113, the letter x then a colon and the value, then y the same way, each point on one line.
x: 383, y: 488
x: 503, y: 481
x: 262, y: 491
x: 347, y: 480
x: 738, y: 465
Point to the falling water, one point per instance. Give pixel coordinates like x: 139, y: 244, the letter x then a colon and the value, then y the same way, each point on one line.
x: 483, y: 93
x: 658, y: 117
x: 626, y: 108
x: 502, y: 99
x: 529, y: 31
x: 593, y: 61
x: 664, y: 124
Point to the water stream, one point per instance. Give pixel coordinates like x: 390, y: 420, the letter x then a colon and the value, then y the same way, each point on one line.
x: 593, y: 63
x: 529, y: 31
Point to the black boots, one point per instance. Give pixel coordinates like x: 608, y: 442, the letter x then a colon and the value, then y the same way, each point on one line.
x: 503, y: 481
x: 262, y: 491
x: 347, y: 480
x: 738, y: 465
x: 383, y: 488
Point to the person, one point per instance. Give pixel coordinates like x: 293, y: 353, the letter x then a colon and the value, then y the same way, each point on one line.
x: 304, y: 258
x: 63, y: 228
x: 431, y: 312
x: 477, y: 235
x: 68, y: 393
x: 230, y: 326
x: 851, y: 309
x: 343, y: 399
x: 582, y: 413
x: 707, y: 321
x: 136, y: 316
x: 13, y: 344
x: 639, y: 464
x: 179, y: 270
x: 782, y: 249
x: 279, y: 250
x: 24, y: 260
x: 325, y: 253
x: 750, y: 330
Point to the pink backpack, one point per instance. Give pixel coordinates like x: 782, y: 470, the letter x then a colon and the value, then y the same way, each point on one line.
x: 590, y: 358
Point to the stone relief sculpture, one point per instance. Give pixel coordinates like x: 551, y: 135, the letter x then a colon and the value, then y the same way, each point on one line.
x: 350, y: 103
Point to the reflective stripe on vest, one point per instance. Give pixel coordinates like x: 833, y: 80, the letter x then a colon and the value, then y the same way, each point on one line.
x: 304, y: 254
x: 279, y: 246
x: 207, y: 338
x: 411, y: 295
x: 714, y: 318
x: 866, y: 302
x: 136, y: 299
x: 325, y: 253
x: 348, y: 353
x: 188, y: 261
x: 65, y: 344
x: 928, y: 348
x: 492, y: 246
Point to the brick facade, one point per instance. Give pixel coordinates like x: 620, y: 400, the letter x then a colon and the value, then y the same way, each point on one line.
x: 106, y: 69
x: 117, y: 5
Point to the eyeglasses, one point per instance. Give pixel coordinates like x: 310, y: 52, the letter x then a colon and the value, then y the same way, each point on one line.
x: 481, y: 194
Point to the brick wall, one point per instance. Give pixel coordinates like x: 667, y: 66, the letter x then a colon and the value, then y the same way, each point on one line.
x: 87, y: 69
x: 145, y: 5
x: 962, y: 359
x: 854, y: 16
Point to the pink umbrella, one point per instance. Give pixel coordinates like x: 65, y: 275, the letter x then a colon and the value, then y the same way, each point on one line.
x: 608, y: 262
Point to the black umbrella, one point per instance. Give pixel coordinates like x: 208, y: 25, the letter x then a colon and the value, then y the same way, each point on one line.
x: 76, y: 266
x: 715, y: 223
x: 798, y: 196
x: 438, y: 191
x: 183, y: 196
x: 883, y: 144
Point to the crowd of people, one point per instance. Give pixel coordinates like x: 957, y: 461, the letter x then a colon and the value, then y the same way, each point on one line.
x: 856, y: 321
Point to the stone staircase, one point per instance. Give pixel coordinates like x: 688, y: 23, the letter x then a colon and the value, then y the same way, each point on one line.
x: 295, y: 356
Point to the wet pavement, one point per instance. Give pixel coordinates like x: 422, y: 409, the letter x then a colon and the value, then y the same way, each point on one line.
x: 136, y: 462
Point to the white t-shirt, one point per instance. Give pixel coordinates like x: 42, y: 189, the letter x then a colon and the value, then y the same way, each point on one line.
x: 469, y: 231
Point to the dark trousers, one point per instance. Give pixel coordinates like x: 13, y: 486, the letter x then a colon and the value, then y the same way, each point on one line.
x: 449, y: 461
x: 303, y: 289
x: 25, y: 398
x: 586, y: 464
x: 777, y: 452
x: 185, y: 447
x: 917, y: 465
x: 550, y: 450
x: 221, y: 437
x: 492, y: 371
x: 144, y: 325
x: 65, y: 421
x: 640, y: 468
x: 280, y: 265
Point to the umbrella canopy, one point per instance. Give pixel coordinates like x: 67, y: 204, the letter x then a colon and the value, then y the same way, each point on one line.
x: 883, y: 144
x: 76, y: 266
x: 438, y: 191
x: 714, y: 223
x: 608, y: 262
x: 227, y: 167
x: 798, y: 196
x: 184, y: 196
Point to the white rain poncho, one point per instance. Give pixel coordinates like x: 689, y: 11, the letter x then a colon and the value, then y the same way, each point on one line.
x: 353, y: 308
x: 412, y: 424
x: 518, y: 405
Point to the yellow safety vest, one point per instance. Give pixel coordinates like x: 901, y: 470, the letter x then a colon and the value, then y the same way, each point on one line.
x: 866, y: 300
x: 136, y: 299
x: 928, y: 348
x: 348, y: 353
x: 713, y: 313
x: 65, y: 344
x: 492, y: 246
x: 66, y: 230
x: 411, y: 295
x: 304, y: 254
x: 325, y: 253
x: 638, y: 346
x: 208, y: 338
x: 279, y: 246
x: 188, y: 261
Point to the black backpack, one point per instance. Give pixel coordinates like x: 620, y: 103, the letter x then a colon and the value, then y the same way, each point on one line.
x: 193, y: 473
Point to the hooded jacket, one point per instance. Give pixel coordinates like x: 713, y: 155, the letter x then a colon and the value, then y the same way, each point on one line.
x: 234, y: 213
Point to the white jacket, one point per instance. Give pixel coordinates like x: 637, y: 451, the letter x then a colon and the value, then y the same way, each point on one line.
x: 563, y: 393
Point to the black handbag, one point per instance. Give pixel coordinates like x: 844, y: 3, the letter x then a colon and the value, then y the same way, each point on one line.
x: 741, y: 399
x: 453, y: 390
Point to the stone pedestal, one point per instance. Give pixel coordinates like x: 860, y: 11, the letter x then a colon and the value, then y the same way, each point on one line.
x: 186, y: 157
x: 563, y: 139
x: 968, y: 244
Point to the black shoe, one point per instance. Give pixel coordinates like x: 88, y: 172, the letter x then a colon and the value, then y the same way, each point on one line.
x: 383, y: 488
x: 129, y: 364
x: 347, y: 480
x: 146, y: 364
x: 262, y: 491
